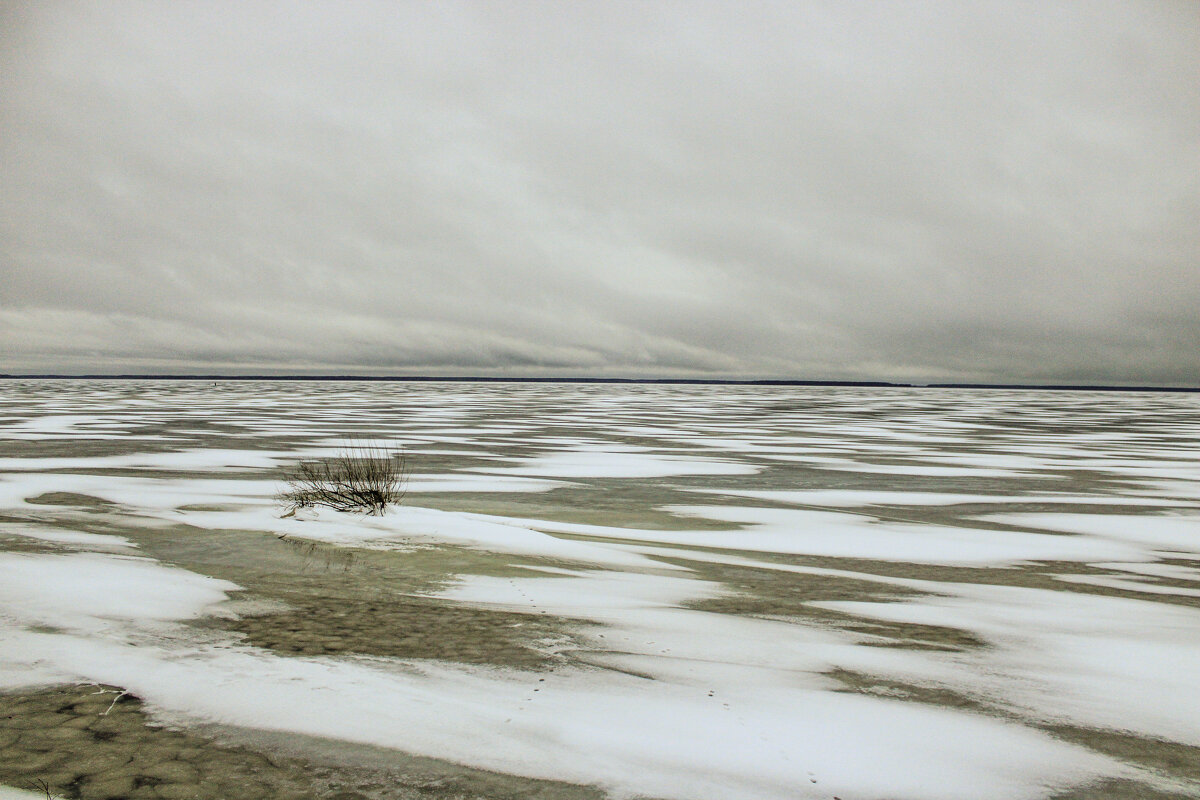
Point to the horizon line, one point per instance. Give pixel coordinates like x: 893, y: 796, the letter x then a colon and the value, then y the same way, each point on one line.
x: 527, y: 379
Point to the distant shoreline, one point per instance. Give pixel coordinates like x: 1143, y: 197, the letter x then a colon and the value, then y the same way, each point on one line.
x: 669, y: 381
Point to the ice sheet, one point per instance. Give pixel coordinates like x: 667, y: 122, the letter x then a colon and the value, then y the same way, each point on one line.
x: 88, y: 591
x: 187, y: 460
x: 10, y: 793
x: 1180, y: 533
x: 622, y: 464
x: 412, y: 525
x: 481, y: 483
x: 1130, y: 585
x: 707, y: 733
x: 59, y: 536
x: 827, y: 533
x: 1090, y: 660
x: 665, y: 699
x: 856, y: 498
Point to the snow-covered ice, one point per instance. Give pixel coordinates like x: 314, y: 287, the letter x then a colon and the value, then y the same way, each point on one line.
x: 655, y: 519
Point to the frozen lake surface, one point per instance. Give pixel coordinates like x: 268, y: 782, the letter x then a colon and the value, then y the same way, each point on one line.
x: 684, y: 592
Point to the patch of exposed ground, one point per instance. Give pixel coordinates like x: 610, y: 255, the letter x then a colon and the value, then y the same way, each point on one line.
x: 1121, y: 790
x: 73, y: 499
x: 376, y: 603
x: 93, y: 742
x: 329, y: 620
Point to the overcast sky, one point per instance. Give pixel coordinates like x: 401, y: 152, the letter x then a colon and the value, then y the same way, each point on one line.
x: 955, y: 191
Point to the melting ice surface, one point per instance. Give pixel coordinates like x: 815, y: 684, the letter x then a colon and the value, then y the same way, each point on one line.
x: 773, y: 592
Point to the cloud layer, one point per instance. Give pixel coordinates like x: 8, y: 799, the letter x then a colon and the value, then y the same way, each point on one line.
x: 945, y: 191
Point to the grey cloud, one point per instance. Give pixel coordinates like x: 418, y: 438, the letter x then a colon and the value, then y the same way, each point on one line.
x: 938, y: 191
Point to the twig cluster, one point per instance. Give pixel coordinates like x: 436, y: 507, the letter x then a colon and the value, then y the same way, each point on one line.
x: 41, y: 787
x: 364, y: 477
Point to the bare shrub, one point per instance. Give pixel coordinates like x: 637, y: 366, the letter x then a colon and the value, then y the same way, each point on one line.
x: 365, y: 477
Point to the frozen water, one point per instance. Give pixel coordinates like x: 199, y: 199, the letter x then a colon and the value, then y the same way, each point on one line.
x: 771, y: 591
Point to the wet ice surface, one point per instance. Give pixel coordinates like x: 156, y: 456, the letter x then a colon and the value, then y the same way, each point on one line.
x: 655, y: 591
